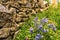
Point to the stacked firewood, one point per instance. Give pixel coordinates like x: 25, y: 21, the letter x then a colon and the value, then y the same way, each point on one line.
x: 14, y: 12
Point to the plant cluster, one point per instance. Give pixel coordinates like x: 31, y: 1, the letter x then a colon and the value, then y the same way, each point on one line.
x: 42, y: 28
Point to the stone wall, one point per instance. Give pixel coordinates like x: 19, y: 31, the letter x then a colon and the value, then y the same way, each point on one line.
x: 14, y: 12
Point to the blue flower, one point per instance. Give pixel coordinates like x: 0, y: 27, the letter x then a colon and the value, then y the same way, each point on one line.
x: 31, y: 30
x: 40, y: 27
x: 38, y: 36
x: 45, y: 31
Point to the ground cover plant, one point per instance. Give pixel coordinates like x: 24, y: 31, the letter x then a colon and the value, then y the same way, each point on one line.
x: 51, y: 28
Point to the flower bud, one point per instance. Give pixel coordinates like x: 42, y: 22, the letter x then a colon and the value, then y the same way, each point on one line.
x: 31, y: 30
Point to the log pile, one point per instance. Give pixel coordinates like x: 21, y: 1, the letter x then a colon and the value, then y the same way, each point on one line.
x: 14, y: 12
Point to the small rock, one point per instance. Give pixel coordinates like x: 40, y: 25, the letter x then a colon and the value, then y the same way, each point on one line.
x: 4, y: 32
x: 3, y: 9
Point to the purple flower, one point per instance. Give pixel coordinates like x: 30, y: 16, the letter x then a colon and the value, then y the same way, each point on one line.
x: 51, y: 25
x: 40, y: 26
x: 35, y: 21
x: 31, y: 30
x: 45, y: 31
x: 44, y: 20
x: 38, y: 36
